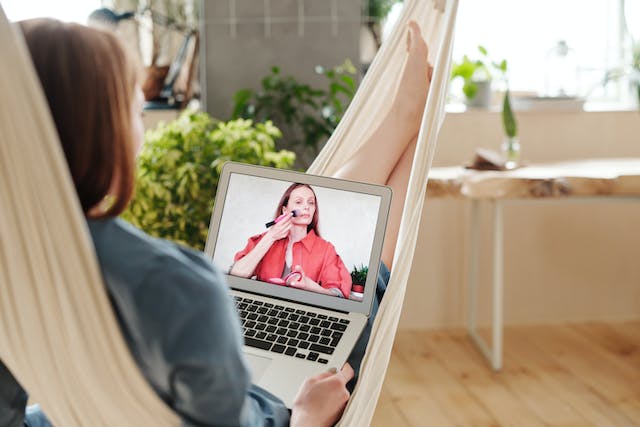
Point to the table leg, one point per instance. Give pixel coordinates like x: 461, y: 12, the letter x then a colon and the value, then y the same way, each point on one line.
x: 474, y: 226
x: 498, y: 268
x: 494, y: 355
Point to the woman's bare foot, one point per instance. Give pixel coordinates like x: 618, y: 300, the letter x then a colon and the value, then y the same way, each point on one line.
x: 413, y: 87
x: 377, y: 157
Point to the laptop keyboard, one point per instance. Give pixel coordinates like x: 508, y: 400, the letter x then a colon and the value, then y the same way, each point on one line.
x: 285, y: 330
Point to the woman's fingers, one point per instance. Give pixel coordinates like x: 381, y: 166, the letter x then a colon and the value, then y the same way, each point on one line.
x: 346, y: 373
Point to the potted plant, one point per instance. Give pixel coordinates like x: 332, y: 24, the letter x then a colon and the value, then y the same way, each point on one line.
x: 179, y: 167
x: 358, y: 280
x: 477, y: 75
x: 306, y: 115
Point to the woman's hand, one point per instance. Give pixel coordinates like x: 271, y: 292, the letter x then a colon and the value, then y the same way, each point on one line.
x: 322, y: 399
x: 301, y: 281
x: 280, y: 229
x: 246, y: 266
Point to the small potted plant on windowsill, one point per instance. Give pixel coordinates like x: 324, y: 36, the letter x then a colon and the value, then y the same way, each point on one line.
x: 477, y: 76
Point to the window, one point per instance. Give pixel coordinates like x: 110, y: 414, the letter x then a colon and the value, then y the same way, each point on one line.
x: 525, y: 32
x: 64, y: 10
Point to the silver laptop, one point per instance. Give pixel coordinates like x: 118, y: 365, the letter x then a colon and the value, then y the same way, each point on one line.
x: 292, y: 331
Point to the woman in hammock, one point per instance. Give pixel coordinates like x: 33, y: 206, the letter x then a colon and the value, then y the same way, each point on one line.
x: 291, y: 252
x: 171, y: 303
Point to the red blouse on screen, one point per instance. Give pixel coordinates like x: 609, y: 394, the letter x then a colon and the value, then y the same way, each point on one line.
x: 317, y: 257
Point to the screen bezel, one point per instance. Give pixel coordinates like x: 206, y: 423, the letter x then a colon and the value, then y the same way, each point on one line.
x: 288, y: 293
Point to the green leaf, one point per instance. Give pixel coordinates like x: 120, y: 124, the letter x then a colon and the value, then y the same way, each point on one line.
x: 508, y: 118
x: 179, y: 167
x: 470, y: 89
x: 297, y: 109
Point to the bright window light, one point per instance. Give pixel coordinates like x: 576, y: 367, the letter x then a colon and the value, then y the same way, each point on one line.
x: 524, y: 32
x: 64, y: 10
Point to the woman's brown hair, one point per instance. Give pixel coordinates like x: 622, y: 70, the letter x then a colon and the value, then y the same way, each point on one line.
x: 284, y: 201
x: 89, y: 81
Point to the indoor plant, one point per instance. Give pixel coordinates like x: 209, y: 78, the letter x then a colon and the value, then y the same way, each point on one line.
x: 477, y: 75
x: 306, y: 115
x: 510, y: 146
x: 359, y: 279
x: 179, y: 166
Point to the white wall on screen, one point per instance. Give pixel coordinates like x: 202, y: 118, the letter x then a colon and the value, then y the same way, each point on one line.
x: 347, y: 219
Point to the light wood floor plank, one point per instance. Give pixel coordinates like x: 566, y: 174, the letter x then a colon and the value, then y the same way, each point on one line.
x: 561, y: 384
x: 557, y: 375
x: 596, y: 368
x: 527, y: 379
x: 429, y: 370
x: 463, y: 361
x: 623, y: 344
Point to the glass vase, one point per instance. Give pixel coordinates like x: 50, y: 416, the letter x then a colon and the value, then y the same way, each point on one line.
x: 511, y: 151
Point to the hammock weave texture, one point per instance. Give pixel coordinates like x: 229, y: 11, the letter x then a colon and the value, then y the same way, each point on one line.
x: 437, y: 19
x: 58, y: 332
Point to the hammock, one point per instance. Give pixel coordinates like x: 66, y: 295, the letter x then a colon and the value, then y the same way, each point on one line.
x: 52, y: 299
x: 436, y: 18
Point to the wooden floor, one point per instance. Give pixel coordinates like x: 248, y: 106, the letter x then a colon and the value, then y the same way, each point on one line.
x: 584, y: 374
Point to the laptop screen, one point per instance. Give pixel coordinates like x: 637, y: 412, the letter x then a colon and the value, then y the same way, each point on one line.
x: 297, y: 236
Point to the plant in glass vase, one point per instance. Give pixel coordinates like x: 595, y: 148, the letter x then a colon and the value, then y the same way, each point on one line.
x: 511, y: 145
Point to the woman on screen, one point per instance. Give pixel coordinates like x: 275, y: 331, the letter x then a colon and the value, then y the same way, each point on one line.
x: 291, y: 252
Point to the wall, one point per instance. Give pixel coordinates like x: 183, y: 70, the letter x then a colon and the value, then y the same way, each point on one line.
x: 563, y: 261
x: 243, y: 39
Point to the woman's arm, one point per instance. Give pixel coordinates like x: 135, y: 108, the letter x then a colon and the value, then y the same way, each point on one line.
x: 334, y: 275
x: 306, y: 283
x: 190, y: 344
x: 203, y: 372
x: 246, y: 266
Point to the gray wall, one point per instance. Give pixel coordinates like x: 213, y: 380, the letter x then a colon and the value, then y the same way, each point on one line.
x: 243, y: 39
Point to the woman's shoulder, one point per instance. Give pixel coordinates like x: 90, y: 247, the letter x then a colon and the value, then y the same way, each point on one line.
x: 129, y: 258
x: 318, y: 242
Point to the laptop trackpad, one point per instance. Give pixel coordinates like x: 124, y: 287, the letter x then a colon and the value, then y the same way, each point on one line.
x: 258, y: 365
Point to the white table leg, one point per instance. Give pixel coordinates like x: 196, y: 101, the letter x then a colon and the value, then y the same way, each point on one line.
x: 474, y: 225
x: 498, y: 268
x: 494, y: 355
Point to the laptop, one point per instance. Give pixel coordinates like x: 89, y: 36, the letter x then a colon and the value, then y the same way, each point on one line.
x: 292, y: 332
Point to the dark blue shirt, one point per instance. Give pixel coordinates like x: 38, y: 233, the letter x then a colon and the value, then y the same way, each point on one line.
x: 181, y: 326
x: 179, y: 322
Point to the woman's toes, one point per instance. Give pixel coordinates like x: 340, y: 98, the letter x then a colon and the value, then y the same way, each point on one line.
x: 415, y: 42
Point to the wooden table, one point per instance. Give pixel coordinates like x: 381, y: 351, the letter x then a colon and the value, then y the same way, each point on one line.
x: 574, y: 181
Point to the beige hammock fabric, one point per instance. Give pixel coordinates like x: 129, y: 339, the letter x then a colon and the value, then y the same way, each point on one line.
x: 58, y: 332
x: 437, y: 19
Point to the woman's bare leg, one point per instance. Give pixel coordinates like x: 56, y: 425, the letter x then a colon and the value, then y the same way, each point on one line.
x: 376, y: 158
x: 398, y: 181
x: 386, y: 157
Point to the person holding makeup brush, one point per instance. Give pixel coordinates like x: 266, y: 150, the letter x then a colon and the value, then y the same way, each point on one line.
x: 291, y: 252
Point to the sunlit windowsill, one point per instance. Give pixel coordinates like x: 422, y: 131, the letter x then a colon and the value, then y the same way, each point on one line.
x: 589, y: 107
